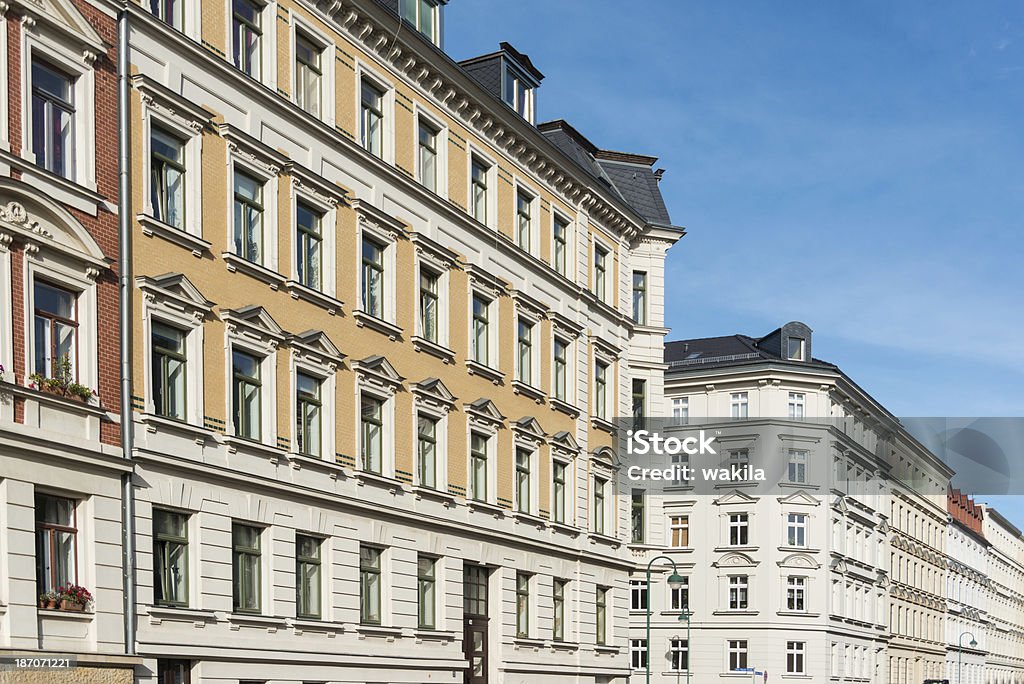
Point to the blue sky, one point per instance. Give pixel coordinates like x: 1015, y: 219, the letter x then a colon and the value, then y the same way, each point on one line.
x: 856, y: 166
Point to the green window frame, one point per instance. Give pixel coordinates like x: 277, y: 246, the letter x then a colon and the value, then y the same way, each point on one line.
x: 524, y: 348
x: 169, y: 370
x: 478, y: 190
x: 426, y: 450
x: 308, y: 411
x: 561, y: 246
x: 481, y: 330
x: 373, y: 278
x: 558, y: 591
x: 561, y: 366
x: 249, y: 210
x: 370, y: 585
x: 524, y: 220
x: 308, y: 74
x: 308, y: 578
x: 372, y: 434
x: 524, y: 480
x: 426, y: 589
x: 601, y: 615
x: 478, y: 466
x: 429, y: 305
x: 167, y: 176
x: 558, y: 491
x: 372, y: 120
x: 247, y: 391
x: 640, y: 297
x: 308, y: 246
x: 523, y: 604
x: 170, y: 558
x: 246, y: 567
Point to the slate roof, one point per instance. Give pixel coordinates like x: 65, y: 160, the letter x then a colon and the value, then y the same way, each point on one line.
x: 638, y: 185
x: 728, y: 350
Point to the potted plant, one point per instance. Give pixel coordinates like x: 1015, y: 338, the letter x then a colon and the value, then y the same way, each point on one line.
x: 74, y: 598
x: 49, y: 599
x: 62, y: 382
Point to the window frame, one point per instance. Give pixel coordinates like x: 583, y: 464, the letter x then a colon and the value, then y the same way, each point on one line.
x: 738, y: 526
x: 523, y: 593
x: 79, y: 281
x: 423, y: 581
x: 489, y: 166
x: 560, y: 390
x: 559, y: 598
x: 475, y: 456
x: 563, y: 265
x: 739, y: 405
x: 366, y: 75
x: 366, y: 571
x: 682, y: 527
x: 261, y: 71
x: 737, y: 651
x: 52, y: 581
x: 259, y: 164
x: 797, y: 529
x: 599, y: 504
x: 525, y: 208
x: 601, y: 608
x: 159, y: 537
x: 599, y: 270
x: 797, y: 463
x: 237, y: 553
x: 317, y: 561
x: 638, y: 654
x: 182, y: 357
x: 640, y: 315
x: 796, y: 656
x: 796, y: 593
x: 797, y: 405
x: 422, y: 117
x: 739, y: 592
x: 601, y: 390
x: 678, y: 655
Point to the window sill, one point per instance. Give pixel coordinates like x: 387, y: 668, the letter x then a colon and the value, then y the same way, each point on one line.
x: 565, y: 528
x: 602, y: 648
x: 485, y: 507
x: 598, y: 538
x: 88, y: 407
x: 300, y: 625
x: 154, y: 227
x: 80, y: 196
x: 528, y: 390
x: 799, y: 549
x: 364, y: 477
x: 799, y: 613
x: 248, y: 445
x: 602, y: 424
x: 492, y: 374
x: 70, y: 615
x: 299, y: 291
x: 153, y: 422
x: 565, y: 645
x: 422, y: 344
x: 530, y: 519
x: 423, y: 492
x: 390, y: 633
x: 365, y: 320
x: 424, y: 634
x: 272, y: 623
x: 731, y: 549
x: 158, y: 614
x: 261, y: 273
x: 527, y: 642
x: 564, y: 407
x: 736, y: 612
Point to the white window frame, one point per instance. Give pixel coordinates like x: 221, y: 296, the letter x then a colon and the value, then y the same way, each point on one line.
x: 535, y: 360
x: 797, y: 405
x: 570, y: 236
x: 267, y: 172
x: 492, y: 185
x: 533, y: 452
x: 739, y: 405
x: 168, y: 113
x: 798, y: 523
x: 440, y: 267
x: 569, y: 494
x: 510, y: 98
x: 797, y: 585
x: 673, y: 648
x: 493, y: 325
x: 608, y: 286
x: 327, y: 62
x: 421, y: 115
x: 739, y: 650
x: 268, y: 41
x: 740, y: 584
x: 797, y: 458
x: 305, y: 189
x: 638, y: 654
x: 490, y: 436
x: 607, y: 523
x: 6, y: 315
x: 387, y: 442
x: 440, y: 447
x: 387, y: 240
x: 521, y: 187
x: 798, y: 651
x: 680, y: 410
x: 600, y: 409
x: 639, y: 596
x: 739, y: 524
x: 301, y: 363
x: 191, y: 324
x: 365, y: 72
x: 570, y: 368
x: 672, y: 527
x: 267, y: 353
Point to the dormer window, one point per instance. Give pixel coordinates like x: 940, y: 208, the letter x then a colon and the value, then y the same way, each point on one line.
x: 518, y: 93
x: 423, y: 15
x: 796, y: 349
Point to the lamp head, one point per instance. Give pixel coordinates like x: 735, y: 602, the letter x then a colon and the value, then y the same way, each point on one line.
x: 973, y: 643
x: 675, y: 581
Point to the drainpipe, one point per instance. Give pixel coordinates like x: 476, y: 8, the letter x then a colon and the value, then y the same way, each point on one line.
x: 125, y: 317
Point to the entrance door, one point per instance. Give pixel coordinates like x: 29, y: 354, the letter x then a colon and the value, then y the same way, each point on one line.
x: 474, y: 622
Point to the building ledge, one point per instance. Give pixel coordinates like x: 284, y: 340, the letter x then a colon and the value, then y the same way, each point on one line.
x: 365, y: 320
x: 154, y: 227
x: 604, y: 648
x: 422, y: 492
x: 526, y: 642
x: 530, y: 519
x: 300, y: 625
x: 158, y: 614
x: 564, y: 645
x: 492, y: 374
x: 603, y: 424
x: 364, y: 477
x: 737, y: 613
x: 389, y: 633
x: 154, y: 422
x: 564, y: 407
x: 252, y: 446
x: 598, y: 538
x: 564, y: 528
x: 797, y: 614
x: 422, y: 344
x: 486, y: 507
x: 69, y: 615
x: 528, y: 390
x: 271, y: 622
x: 441, y: 635
x: 325, y: 301
x: 257, y: 271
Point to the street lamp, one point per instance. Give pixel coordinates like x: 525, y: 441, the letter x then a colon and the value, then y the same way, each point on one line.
x: 960, y: 654
x: 686, y: 615
x: 675, y: 581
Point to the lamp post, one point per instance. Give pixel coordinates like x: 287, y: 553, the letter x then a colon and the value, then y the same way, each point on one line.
x: 960, y: 654
x: 674, y: 582
x: 686, y: 615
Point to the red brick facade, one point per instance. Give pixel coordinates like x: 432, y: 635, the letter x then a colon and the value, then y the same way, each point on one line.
x: 965, y: 511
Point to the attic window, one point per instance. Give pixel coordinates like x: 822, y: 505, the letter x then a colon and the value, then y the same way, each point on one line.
x: 518, y: 93
x: 796, y: 349
x: 423, y: 15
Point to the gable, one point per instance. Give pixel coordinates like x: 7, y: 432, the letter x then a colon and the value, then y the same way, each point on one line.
x: 316, y: 346
x: 64, y: 17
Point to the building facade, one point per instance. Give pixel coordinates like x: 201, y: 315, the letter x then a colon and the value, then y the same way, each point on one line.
x: 1004, y: 636
x: 382, y: 325
x: 61, y: 462
x: 825, y: 572
x: 967, y: 588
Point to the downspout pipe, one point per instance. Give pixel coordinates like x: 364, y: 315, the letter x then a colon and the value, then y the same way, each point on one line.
x: 125, y: 328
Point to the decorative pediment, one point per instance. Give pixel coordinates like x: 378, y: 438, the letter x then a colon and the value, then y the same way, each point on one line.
x: 532, y: 308
x: 433, y: 252
x: 799, y: 560
x: 799, y: 498
x: 244, y: 146
x: 316, y: 186
x: 564, y: 444
x: 882, y: 579
x: 735, y: 497
x: 176, y: 291
x: 839, y: 504
x: 63, y: 16
x: 254, y: 321
x: 838, y: 565
x: 376, y: 372
x: 565, y: 326
x: 37, y: 222
x: 605, y: 455
x: 484, y: 413
x: 528, y: 430
x: 378, y: 221
x: 735, y: 560
x: 432, y: 393
x: 314, y: 346
x: 484, y: 281
x: 883, y: 526
x: 605, y: 349
x: 159, y: 97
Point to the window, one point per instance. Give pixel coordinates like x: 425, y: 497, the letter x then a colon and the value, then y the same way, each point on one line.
x: 421, y: 14
x: 308, y: 73
x: 795, y: 347
x: 797, y: 470
x: 428, y: 155
x: 681, y: 410
x: 558, y: 591
x: 524, y: 351
x: 638, y: 653
x: 245, y: 542
x: 795, y: 593
x: 170, y: 558
x: 474, y: 589
x: 558, y: 491
x: 481, y: 330
x: 478, y: 467
x: 739, y: 528
x: 426, y: 452
x: 738, y: 404
x: 53, y: 119
x: 248, y: 235
x: 56, y: 331
x: 601, y: 615
x: 373, y: 278
x: 372, y: 434
x: 796, y: 405
x: 679, y: 477
x: 738, y: 460
x: 246, y: 394
x: 559, y: 258
x: 307, y: 414
x: 307, y: 576
x: 639, y: 403
x: 168, y: 368
x: 168, y: 11
x: 794, y: 657
x: 518, y: 94
x: 372, y: 119
x: 308, y: 240
x: 737, y: 654
x: 429, y: 300
x: 640, y: 297
x: 680, y: 598
x: 679, y: 531
x: 167, y: 177
x: 426, y: 580
x: 369, y: 585
x: 601, y: 390
x: 738, y: 592
x: 638, y: 595
x: 247, y: 34
x: 679, y: 655
x: 796, y: 529
x: 173, y: 671
x: 600, y: 272
x: 561, y: 362
x: 524, y: 482
x: 478, y: 189
x: 598, y: 504
x: 524, y: 222
x: 56, y: 542
x: 522, y: 605
x: 636, y: 508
